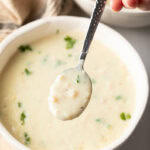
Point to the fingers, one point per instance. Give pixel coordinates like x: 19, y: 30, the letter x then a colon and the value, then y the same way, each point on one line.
x: 130, y: 3
x: 144, y: 4
x: 116, y: 5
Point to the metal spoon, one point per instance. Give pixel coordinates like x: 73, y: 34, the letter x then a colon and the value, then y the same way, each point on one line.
x: 64, y: 91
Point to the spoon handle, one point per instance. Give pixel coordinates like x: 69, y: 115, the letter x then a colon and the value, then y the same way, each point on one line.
x: 95, y: 19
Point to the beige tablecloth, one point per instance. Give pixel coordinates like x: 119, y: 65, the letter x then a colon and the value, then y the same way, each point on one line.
x: 15, y: 13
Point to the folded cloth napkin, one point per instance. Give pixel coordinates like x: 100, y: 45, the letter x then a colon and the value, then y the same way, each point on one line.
x: 15, y: 13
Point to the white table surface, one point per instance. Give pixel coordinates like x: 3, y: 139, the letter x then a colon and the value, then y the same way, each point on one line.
x: 140, y: 39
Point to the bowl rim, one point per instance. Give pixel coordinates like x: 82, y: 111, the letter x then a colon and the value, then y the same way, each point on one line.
x: 31, y: 26
x: 123, y: 11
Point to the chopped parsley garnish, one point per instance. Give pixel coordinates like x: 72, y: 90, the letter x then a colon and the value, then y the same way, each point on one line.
x: 60, y: 62
x: 125, y: 116
x: 104, y: 123
x: 27, y: 139
x: 19, y: 104
x: 22, y: 118
x: 93, y: 81
x: 98, y: 120
x: 78, y: 79
x: 39, y: 52
x: 118, y: 97
x: 69, y: 42
x: 128, y: 116
x: 24, y: 48
x: 57, y: 31
x: 69, y: 55
x: 27, y: 71
x: 45, y: 59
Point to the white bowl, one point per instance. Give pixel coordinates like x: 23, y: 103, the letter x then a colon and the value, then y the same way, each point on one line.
x: 125, y: 18
x: 115, y: 41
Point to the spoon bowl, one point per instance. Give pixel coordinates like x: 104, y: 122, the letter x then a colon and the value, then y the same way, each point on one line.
x: 70, y: 94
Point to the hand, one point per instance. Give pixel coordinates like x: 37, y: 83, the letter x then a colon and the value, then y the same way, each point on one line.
x: 117, y: 5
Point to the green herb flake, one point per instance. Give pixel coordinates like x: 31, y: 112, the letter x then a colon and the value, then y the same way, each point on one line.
x: 69, y: 42
x: 45, y: 59
x: 128, y: 116
x: 109, y: 126
x: 69, y: 55
x: 59, y: 63
x: 93, y: 81
x: 22, y: 118
x: 19, y: 104
x: 104, y: 123
x: 39, y: 52
x: 24, y: 48
x: 98, y: 120
x: 27, y: 139
x: 27, y: 71
x: 118, y: 97
x: 125, y: 116
x: 57, y: 31
x: 78, y: 79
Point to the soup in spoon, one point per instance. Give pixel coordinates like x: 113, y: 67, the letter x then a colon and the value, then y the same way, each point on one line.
x: 70, y: 94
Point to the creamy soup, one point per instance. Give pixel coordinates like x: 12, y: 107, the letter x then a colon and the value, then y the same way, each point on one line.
x: 24, y: 91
